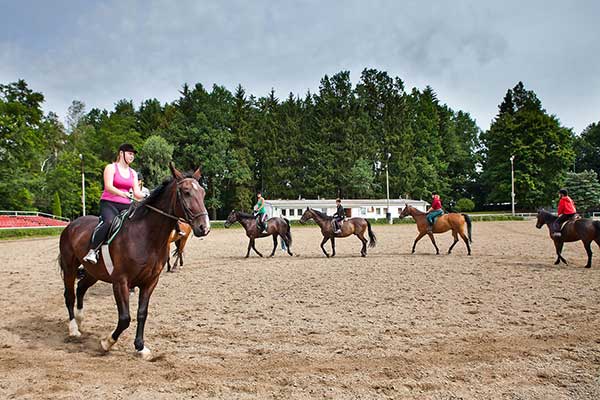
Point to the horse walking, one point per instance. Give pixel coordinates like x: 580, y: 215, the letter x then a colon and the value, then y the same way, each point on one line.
x: 584, y: 229
x: 137, y: 255
x: 353, y: 226
x: 452, y: 221
x: 180, y: 241
x: 275, y: 227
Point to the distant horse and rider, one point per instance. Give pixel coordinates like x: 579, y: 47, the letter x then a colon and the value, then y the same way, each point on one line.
x: 276, y: 227
x: 353, y: 226
x: 180, y: 237
x: 136, y: 256
x: 459, y: 224
x: 573, y: 230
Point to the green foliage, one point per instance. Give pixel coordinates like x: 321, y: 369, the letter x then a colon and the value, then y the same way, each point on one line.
x: 542, y: 148
x: 155, y: 155
x: 464, y: 205
x: 587, y: 149
x: 56, y: 208
x: 584, y: 189
x: 338, y: 141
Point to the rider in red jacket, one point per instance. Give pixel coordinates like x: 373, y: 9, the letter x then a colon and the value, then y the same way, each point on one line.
x: 566, y: 210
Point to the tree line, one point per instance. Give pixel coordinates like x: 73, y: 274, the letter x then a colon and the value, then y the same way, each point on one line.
x: 337, y: 142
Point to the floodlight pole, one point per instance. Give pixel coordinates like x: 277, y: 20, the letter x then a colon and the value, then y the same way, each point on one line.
x: 82, y: 184
x: 512, y: 183
x: 387, y: 190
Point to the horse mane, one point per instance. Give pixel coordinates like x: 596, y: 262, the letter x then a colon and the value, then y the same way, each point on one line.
x: 321, y: 214
x: 155, y: 194
x: 244, y: 215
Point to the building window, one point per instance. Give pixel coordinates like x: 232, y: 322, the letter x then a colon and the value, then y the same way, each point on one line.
x: 291, y: 212
x: 370, y: 209
x: 385, y: 210
x: 363, y: 211
x: 299, y: 211
x: 378, y: 211
x: 283, y: 210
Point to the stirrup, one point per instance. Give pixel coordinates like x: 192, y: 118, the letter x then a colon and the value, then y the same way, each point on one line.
x: 91, y: 257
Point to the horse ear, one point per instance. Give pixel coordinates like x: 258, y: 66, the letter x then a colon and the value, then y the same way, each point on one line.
x: 197, y: 173
x: 176, y: 174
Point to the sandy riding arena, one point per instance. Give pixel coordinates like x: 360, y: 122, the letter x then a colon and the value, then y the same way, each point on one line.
x: 504, y: 323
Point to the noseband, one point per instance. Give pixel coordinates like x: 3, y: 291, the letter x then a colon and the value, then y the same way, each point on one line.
x: 189, y: 216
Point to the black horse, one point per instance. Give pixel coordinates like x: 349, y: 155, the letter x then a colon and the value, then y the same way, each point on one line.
x: 584, y: 229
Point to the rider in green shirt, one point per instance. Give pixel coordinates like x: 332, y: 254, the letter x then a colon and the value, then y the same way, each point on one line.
x: 259, y: 213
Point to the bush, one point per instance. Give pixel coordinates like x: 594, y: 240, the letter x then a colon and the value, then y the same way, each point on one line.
x: 56, y: 208
x: 464, y: 205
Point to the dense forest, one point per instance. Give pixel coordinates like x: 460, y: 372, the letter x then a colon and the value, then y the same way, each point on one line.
x: 337, y: 142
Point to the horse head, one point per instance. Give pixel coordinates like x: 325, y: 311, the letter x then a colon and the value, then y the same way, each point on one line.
x: 306, y: 215
x: 541, y: 218
x: 231, y: 219
x: 405, y: 211
x: 190, y: 201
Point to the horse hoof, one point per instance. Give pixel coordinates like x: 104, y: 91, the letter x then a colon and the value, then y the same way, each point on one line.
x: 74, y: 329
x: 145, y: 354
x: 363, y: 255
x: 107, y: 343
x: 588, y: 266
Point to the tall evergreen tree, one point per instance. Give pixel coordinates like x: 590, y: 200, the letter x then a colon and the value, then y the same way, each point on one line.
x: 541, y: 146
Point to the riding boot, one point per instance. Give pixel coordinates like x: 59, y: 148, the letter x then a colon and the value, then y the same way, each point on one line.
x: 429, y: 228
x: 91, y: 257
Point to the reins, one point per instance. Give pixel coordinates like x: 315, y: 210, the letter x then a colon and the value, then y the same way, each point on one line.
x: 189, y: 216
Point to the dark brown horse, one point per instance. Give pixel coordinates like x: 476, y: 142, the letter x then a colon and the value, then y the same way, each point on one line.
x: 275, y: 227
x: 584, y: 229
x: 353, y: 226
x: 180, y: 241
x: 452, y: 221
x: 138, y: 253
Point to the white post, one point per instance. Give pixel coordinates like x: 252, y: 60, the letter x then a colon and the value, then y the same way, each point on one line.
x: 387, y: 188
x: 82, y: 184
x: 512, y: 183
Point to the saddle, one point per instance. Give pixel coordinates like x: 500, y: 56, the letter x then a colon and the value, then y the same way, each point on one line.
x: 573, y: 219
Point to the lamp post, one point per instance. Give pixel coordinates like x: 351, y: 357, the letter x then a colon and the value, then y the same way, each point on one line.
x: 512, y: 183
x: 82, y: 184
x: 387, y: 188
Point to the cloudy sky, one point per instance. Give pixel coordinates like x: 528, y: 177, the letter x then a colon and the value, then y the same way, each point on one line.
x: 470, y: 52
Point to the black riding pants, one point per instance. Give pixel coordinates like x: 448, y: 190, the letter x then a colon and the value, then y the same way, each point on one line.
x: 560, y: 220
x: 108, y: 210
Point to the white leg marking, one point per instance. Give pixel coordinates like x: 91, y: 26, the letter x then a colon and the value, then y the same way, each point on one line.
x: 79, y: 316
x: 145, y: 353
x: 108, y: 342
x: 73, y: 329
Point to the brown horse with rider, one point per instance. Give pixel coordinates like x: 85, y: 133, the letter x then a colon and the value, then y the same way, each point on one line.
x: 353, y: 226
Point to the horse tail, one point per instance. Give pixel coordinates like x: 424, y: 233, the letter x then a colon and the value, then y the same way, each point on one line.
x: 372, y: 237
x: 288, y: 235
x: 468, y: 221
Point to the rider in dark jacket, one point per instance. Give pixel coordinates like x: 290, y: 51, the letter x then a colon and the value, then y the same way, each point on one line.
x: 339, y: 216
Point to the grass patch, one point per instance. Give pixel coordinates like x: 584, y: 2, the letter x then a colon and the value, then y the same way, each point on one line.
x: 23, y: 233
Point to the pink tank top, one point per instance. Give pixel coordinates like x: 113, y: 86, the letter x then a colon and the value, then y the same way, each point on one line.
x: 121, y: 183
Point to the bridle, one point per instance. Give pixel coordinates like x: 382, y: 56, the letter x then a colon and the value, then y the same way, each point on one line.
x: 189, y: 216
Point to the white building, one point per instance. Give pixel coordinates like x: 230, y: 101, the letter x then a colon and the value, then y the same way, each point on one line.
x: 365, y: 208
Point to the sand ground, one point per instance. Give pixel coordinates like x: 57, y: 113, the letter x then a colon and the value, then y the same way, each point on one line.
x: 504, y: 323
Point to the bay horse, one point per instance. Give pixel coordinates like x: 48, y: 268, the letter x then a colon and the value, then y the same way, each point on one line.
x: 180, y: 241
x: 451, y: 221
x: 138, y: 253
x: 584, y: 229
x: 353, y: 226
x: 276, y: 226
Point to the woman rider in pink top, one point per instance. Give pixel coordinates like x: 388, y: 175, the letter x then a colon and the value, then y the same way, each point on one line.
x: 119, y: 180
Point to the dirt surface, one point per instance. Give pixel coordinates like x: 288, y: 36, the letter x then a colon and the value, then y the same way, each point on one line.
x: 504, y: 323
